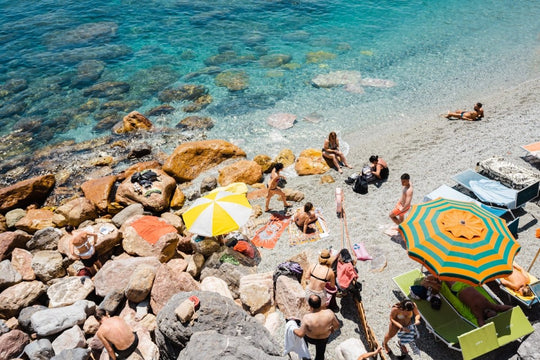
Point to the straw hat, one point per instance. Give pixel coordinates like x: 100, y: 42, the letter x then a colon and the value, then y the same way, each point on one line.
x: 324, y: 256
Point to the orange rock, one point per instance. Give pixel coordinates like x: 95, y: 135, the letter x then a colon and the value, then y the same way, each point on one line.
x: 245, y: 171
x: 134, y: 121
x: 178, y: 199
x: 265, y: 161
x: 98, y: 190
x: 286, y: 157
x: 153, y: 164
x: 311, y: 162
x: 34, y: 220
x: 26, y: 192
x: 190, y: 159
x: 257, y: 194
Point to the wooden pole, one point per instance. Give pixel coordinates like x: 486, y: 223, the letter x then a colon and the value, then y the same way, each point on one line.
x: 532, y: 263
x: 370, y: 336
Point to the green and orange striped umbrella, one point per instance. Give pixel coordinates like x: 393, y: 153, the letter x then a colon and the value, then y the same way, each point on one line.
x: 459, y: 241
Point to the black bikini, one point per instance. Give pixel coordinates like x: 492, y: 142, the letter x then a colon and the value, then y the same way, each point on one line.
x: 318, y: 278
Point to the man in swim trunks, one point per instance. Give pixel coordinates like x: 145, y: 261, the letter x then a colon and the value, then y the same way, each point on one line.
x: 404, y: 204
x: 476, y: 114
x: 481, y: 307
x: 317, y: 326
x: 116, y: 336
x: 518, y: 281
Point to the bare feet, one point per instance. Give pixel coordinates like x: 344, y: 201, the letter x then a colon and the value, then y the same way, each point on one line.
x: 267, y: 210
x: 387, y: 349
x: 340, y: 171
x: 349, y: 166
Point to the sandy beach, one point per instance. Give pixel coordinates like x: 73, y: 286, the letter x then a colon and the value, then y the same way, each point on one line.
x: 431, y: 151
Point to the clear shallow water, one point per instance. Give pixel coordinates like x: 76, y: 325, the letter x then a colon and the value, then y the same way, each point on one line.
x: 438, y: 54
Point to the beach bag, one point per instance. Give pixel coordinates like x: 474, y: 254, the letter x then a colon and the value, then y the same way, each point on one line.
x: 366, y: 173
x: 360, y: 252
x: 360, y: 185
x: 288, y: 268
x: 281, y: 182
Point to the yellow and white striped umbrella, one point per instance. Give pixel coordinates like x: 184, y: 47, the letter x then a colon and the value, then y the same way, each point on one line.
x: 217, y: 213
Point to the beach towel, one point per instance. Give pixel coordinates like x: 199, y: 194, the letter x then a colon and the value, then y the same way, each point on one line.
x: 294, y: 343
x: 297, y: 236
x: 269, y: 234
x: 346, y: 273
x: 151, y: 228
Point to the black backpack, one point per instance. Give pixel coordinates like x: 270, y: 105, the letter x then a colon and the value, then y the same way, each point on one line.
x: 360, y: 185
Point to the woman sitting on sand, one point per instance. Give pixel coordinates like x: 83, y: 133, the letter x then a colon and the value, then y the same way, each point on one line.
x: 476, y: 114
x: 379, y: 167
x: 305, y: 220
x: 320, y: 274
x: 331, y: 151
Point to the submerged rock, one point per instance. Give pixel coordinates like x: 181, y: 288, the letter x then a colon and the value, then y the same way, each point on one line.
x: 107, y: 89
x: 160, y: 110
x: 337, y: 78
x: 275, y: 60
x: 233, y: 80
x: 195, y: 122
x: 88, y: 71
x: 82, y: 34
x: 281, y: 121
x: 186, y: 92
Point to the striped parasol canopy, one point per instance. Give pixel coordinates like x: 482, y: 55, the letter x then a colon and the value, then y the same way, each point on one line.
x: 459, y: 241
x: 217, y: 213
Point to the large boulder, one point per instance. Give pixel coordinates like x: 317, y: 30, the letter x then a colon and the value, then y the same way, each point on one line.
x: 68, y: 290
x: 39, y: 349
x: 8, y: 275
x: 155, y: 198
x: 74, y: 212
x: 190, y: 159
x: 73, y: 354
x: 10, y: 240
x: 35, y: 219
x: 134, y: 121
x: 108, y: 236
x: 245, y: 171
x: 26, y: 314
x: 291, y: 298
x: 22, y: 262
x: 47, y: 265
x: 286, y: 157
x: 52, y: 321
x: 229, y: 273
x: 13, y: 216
x: 146, y: 235
x: 311, y: 162
x: 216, y: 313
x: 140, y: 283
x: 45, y: 239
x: 97, y: 191
x: 16, y: 297
x: 217, y: 285
x: 34, y: 190
x: 70, y: 339
x: 114, y: 275
x: 167, y: 283
x: 132, y: 210
x: 12, y: 344
x: 256, y: 292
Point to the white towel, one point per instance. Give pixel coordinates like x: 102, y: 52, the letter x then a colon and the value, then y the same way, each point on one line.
x: 294, y: 343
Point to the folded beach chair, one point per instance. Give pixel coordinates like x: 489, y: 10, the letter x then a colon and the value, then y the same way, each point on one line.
x: 533, y: 149
x: 493, y: 192
x: 458, y: 333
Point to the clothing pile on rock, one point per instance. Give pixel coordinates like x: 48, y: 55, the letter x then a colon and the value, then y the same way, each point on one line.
x: 145, y: 179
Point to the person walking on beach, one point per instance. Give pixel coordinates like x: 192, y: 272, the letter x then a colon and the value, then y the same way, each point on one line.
x: 332, y: 152
x: 82, y: 247
x: 116, y: 336
x: 404, y: 204
x: 317, y: 325
x: 401, y: 316
x: 273, y: 188
x: 476, y: 114
x: 379, y: 167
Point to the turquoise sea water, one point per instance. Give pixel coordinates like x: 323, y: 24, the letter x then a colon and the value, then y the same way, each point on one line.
x: 440, y: 54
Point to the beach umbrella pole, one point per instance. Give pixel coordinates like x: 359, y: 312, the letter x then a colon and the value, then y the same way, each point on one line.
x: 534, y: 260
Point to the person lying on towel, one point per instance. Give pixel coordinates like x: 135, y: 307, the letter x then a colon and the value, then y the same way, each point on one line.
x: 518, y: 281
x: 481, y: 307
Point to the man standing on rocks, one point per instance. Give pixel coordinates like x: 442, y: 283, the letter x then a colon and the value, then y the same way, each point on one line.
x: 317, y: 326
x: 116, y: 335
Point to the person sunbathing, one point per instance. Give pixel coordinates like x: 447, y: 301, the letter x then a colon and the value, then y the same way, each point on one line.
x: 481, y: 307
x: 476, y: 114
x: 518, y: 281
x: 305, y: 220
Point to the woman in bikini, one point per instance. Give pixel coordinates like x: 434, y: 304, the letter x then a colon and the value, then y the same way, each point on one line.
x: 273, y: 188
x: 401, y: 317
x: 331, y: 152
x: 319, y: 275
x: 82, y: 247
x: 305, y: 220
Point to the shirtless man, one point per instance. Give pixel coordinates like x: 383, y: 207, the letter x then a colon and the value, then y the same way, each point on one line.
x: 481, y: 308
x: 379, y: 167
x: 82, y: 247
x: 401, y: 317
x: 476, y: 114
x: 305, y: 219
x: 404, y: 204
x: 273, y: 188
x: 116, y: 336
x: 518, y: 281
x: 317, y: 326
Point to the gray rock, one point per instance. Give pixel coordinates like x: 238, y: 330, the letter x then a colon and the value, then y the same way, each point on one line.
x: 68, y: 290
x: 131, y: 210
x: 209, y: 183
x: 229, y: 273
x: 73, y: 354
x: 216, y: 313
x: 53, y: 321
x: 3, y: 327
x: 140, y: 283
x: 112, y: 301
x: 70, y: 339
x: 209, y: 345
x: 8, y: 275
x: 528, y: 350
x: 88, y: 71
x: 108, y: 89
x: 19, y: 296
x: 26, y: 314
x: 13, y: 216
x: 39, y: 350
x: 45, y: 239
x: 48, y: 264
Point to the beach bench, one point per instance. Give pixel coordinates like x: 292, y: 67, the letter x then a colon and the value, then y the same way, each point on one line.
x: 493, y: 192
x: 533, y: 149
x: 460, y: 334
x: 527, y: 301
x: 446, y: 192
